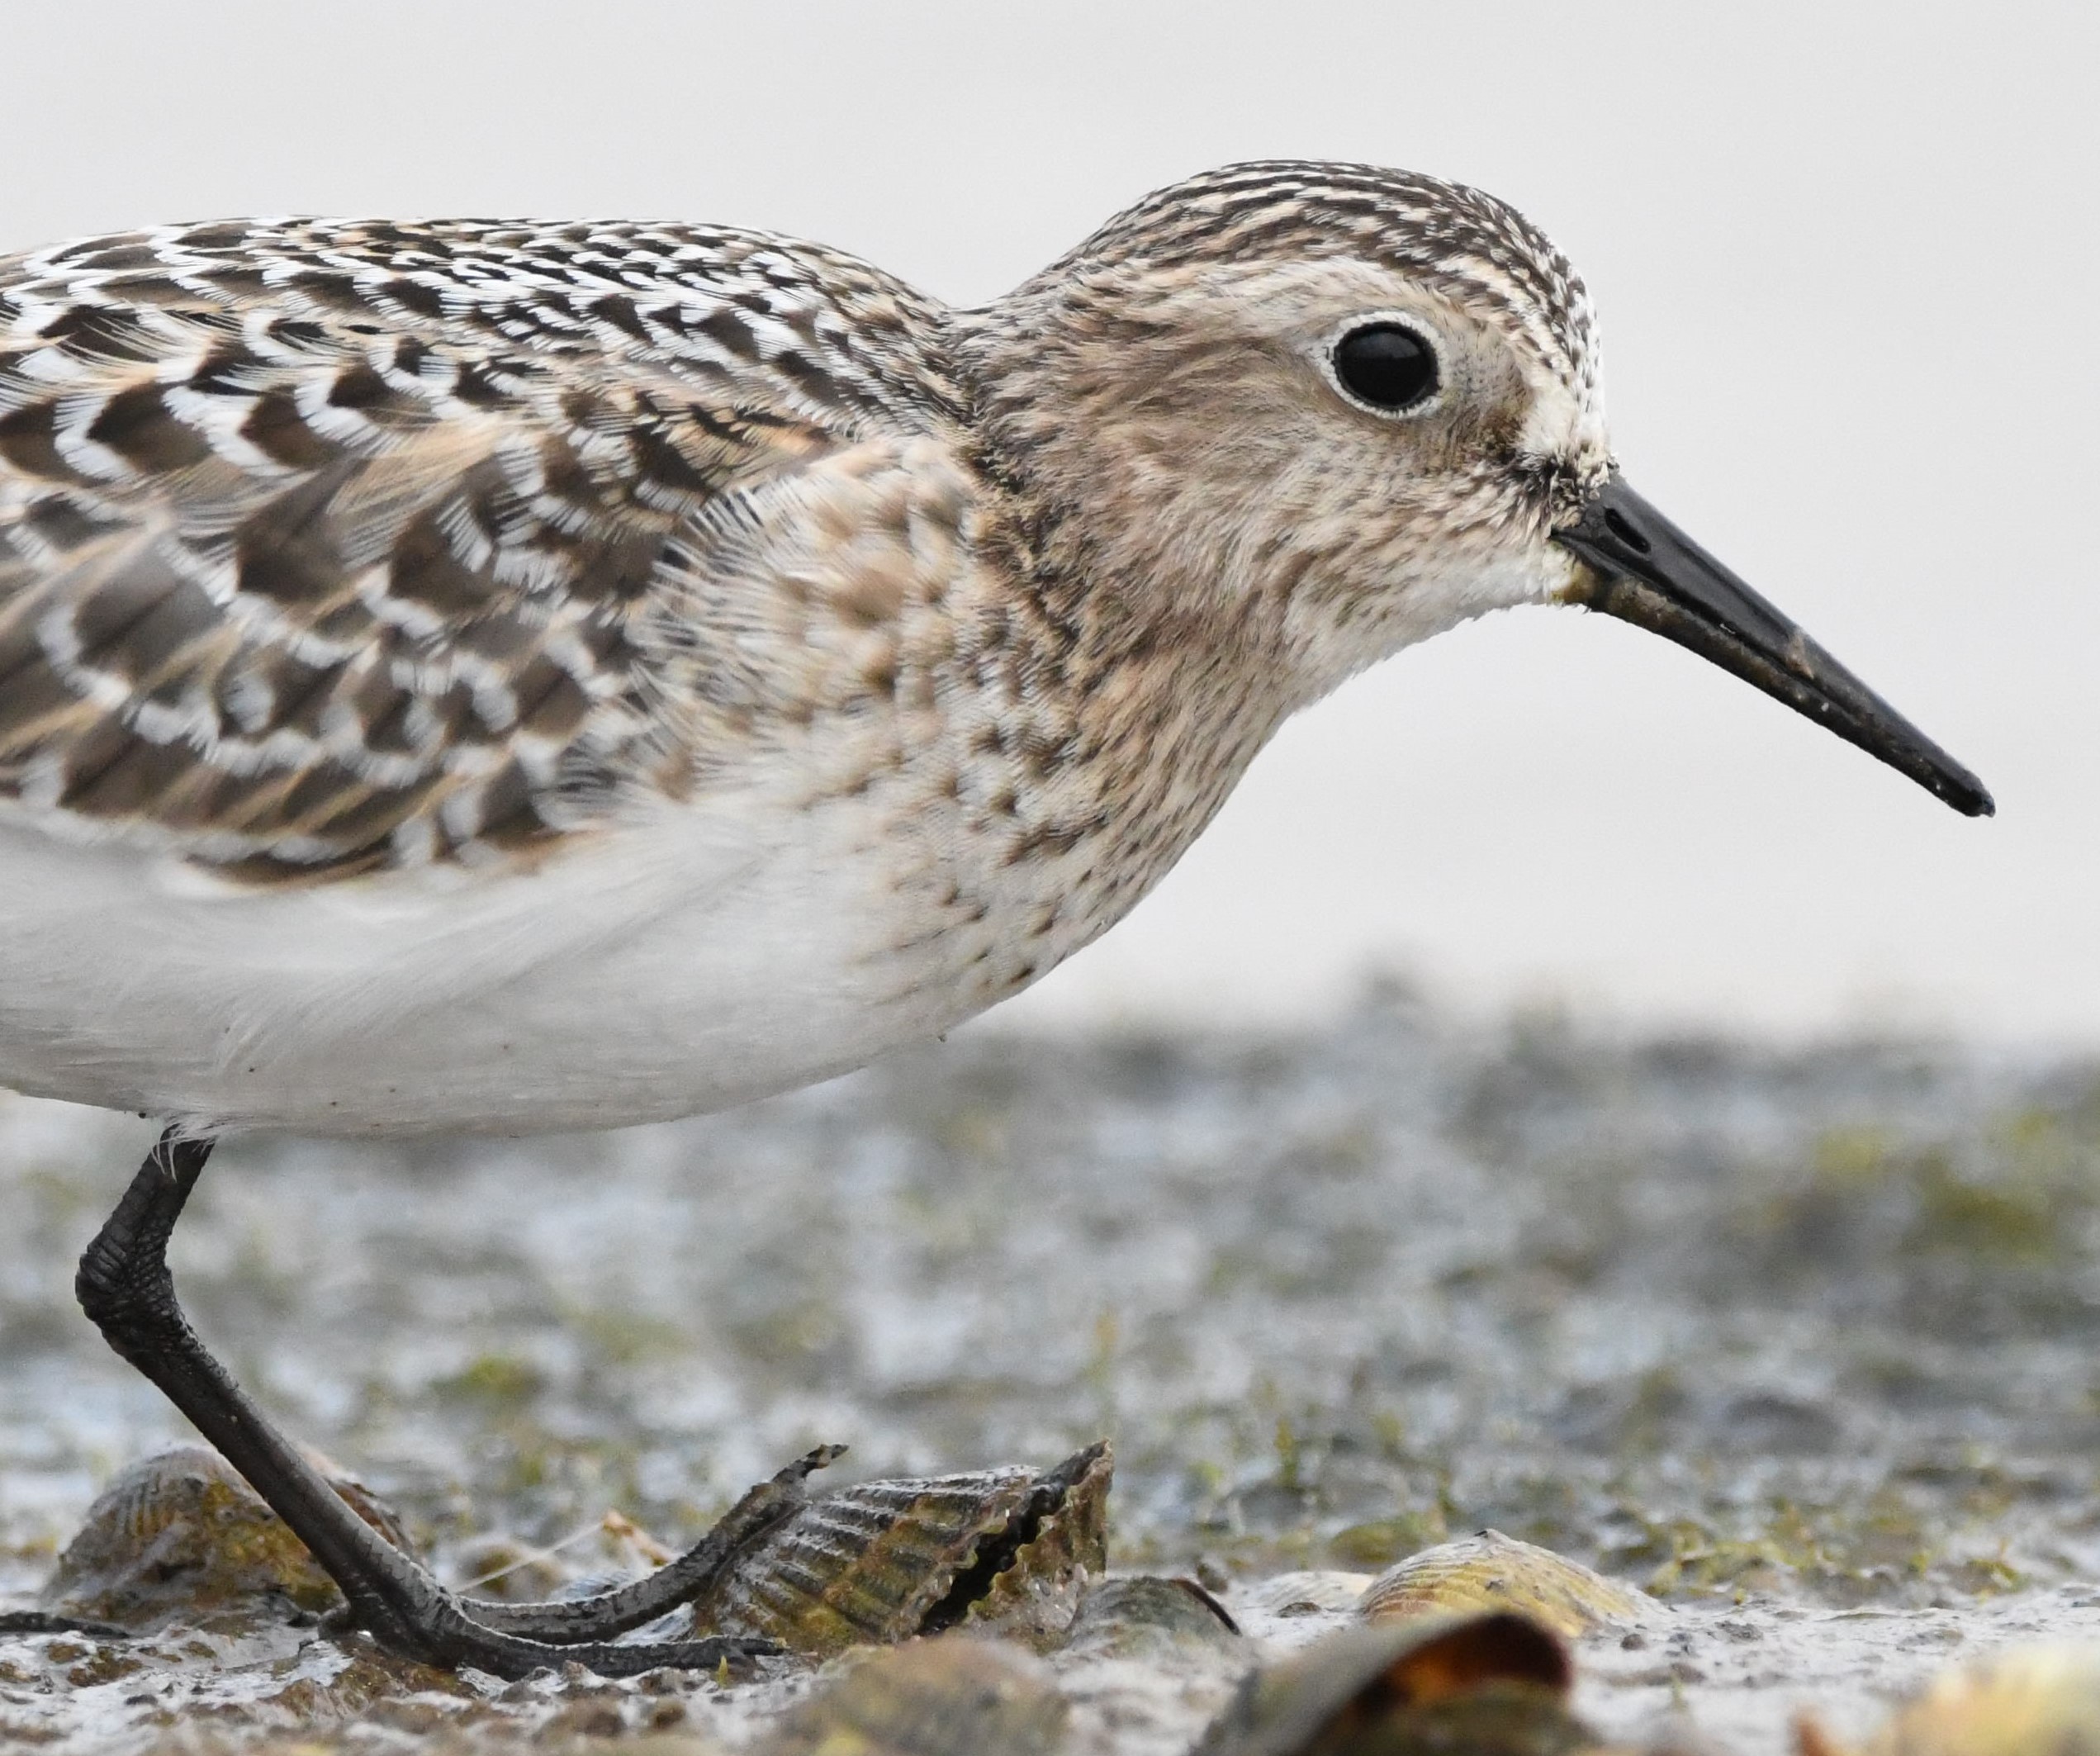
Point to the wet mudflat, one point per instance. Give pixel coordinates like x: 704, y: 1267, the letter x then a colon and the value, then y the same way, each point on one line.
x: 1806, y: 1343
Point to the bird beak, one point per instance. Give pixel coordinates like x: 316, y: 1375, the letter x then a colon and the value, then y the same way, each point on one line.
x: 1646, y: 571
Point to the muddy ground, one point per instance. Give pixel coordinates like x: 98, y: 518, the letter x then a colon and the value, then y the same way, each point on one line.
x: 1807, y: 1341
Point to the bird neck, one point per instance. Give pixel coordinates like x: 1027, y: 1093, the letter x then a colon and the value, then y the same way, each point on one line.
x: 1131, y: 563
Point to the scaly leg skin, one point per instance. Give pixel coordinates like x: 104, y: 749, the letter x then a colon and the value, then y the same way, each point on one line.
x: 124, y: 1285
x: 17, y: 1622
x: 690, y: 1578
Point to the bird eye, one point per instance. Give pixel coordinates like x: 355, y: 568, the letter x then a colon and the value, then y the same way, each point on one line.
x: 1386, y: 367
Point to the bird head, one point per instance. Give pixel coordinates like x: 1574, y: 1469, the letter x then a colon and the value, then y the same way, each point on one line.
x: 1327, y: 411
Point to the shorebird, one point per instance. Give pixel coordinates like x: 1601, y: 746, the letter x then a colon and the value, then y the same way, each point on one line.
x: 479, y: 676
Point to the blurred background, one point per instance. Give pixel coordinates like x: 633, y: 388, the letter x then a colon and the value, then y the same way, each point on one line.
x: 1844, y: 255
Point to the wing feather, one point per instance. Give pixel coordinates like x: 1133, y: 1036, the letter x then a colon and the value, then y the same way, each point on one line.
x: 324, y: 547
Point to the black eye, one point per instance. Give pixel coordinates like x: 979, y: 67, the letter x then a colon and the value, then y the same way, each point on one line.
x: 1386, y: 365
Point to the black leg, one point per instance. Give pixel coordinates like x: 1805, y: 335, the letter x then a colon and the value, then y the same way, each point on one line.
x: 124, y: 1285
x: 44, y: 1622
x: 689, y: 1579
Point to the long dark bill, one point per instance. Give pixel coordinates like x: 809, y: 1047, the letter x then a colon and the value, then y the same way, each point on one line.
x: 1649, y: 572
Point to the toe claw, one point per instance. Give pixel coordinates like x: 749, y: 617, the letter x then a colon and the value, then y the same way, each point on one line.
x: 810, y: 1462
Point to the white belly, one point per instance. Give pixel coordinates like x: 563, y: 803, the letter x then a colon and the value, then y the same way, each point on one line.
x: 667, y: 968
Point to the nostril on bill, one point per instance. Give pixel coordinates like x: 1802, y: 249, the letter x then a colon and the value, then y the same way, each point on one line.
x: 1626, y: 531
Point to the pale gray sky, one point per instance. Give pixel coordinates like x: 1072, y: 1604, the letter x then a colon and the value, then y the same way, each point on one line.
x: 1846, y: 254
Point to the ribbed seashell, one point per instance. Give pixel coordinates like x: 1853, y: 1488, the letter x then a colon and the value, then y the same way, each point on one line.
x: 1005, y: 1549
x: 1143, y: 1615
x: 1488, y: 1685
x: 942, y: 1697
x: 180, y: 1535
x: 2034, y: 1700
x: 1036, y: 1596
x: 1491, y: 1571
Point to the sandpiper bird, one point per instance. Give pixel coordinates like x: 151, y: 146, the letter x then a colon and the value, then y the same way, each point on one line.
x: 492, y: 677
